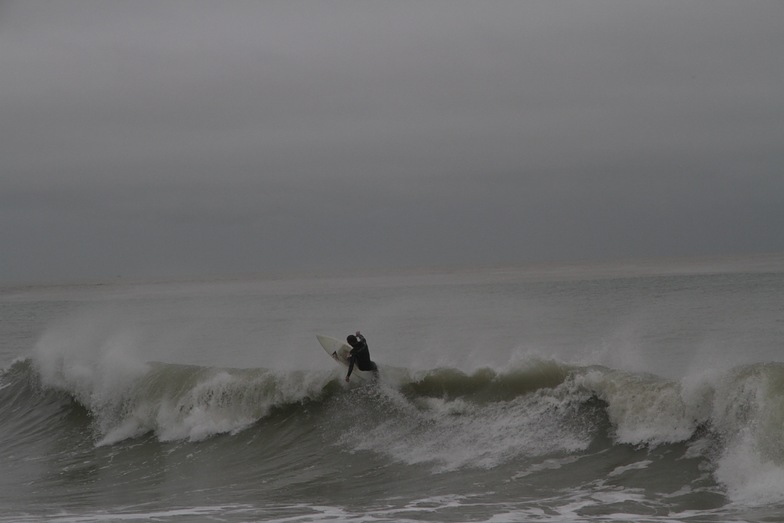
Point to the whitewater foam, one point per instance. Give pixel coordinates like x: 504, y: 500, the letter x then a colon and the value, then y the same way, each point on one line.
x: 455, y: 433
x: 643, y: 409
x: 748, y: 413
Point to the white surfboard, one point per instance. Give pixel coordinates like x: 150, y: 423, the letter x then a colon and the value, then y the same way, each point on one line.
x: 337, y: 349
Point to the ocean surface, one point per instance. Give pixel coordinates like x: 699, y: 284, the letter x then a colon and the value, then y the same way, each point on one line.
x: 648, y: 391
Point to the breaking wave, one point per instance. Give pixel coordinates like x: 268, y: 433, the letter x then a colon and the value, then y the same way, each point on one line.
x: 444, y: 419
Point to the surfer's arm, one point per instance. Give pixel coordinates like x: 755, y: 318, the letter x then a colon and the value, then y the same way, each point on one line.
x: 352, y: 358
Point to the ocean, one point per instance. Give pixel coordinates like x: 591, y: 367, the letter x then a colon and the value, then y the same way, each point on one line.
x: 637, y: 391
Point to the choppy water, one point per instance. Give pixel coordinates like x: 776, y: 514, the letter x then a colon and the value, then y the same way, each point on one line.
x: 615, y: 393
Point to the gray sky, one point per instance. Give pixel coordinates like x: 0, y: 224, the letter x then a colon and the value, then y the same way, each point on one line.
x: 149, y: 139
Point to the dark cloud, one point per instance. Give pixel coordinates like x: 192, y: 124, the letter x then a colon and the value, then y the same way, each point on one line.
x: 174, y: 139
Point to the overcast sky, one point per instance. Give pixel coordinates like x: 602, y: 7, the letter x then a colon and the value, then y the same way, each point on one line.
x: 147, y: 139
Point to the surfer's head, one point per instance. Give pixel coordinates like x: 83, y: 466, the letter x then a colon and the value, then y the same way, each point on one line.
x: 351, y: 339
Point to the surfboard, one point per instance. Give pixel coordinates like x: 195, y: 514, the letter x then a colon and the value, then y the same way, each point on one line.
x: 338, y: 350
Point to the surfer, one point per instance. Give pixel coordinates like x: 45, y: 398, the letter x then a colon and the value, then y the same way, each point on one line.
x: 359, y: 355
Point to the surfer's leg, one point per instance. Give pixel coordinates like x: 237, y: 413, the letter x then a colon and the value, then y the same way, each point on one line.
x: 367, y: 365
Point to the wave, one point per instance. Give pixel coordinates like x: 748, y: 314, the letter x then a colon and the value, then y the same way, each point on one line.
x: 444, y: 418
x: 171, y: 401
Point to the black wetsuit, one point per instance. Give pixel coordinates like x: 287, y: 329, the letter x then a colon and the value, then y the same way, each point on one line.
x: 361, y: 356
